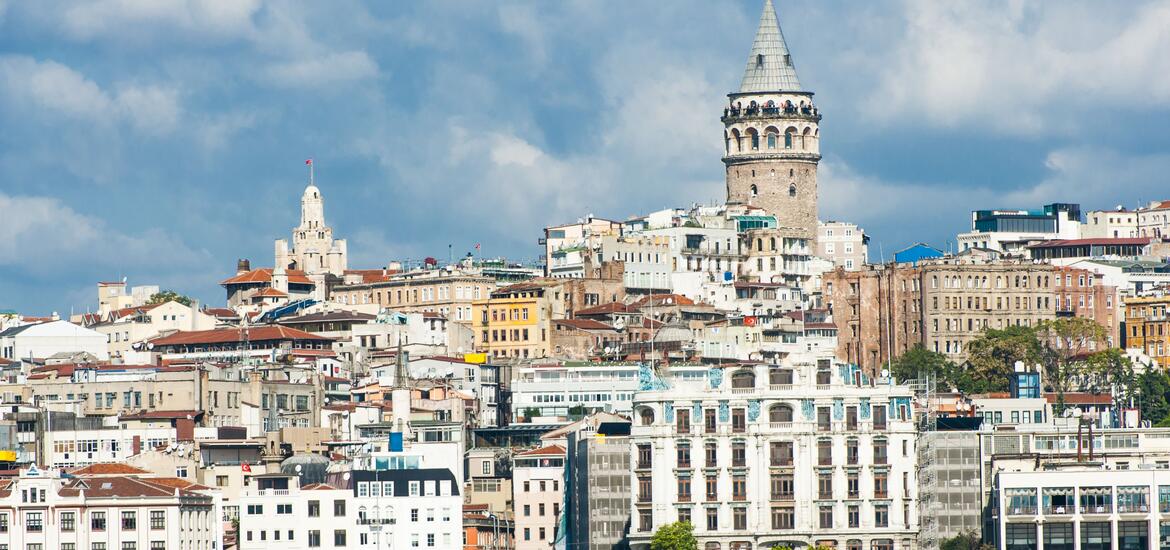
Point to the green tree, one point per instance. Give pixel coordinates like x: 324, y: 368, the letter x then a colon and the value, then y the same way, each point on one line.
x: 918, y: 361
x: 1064, y: 341
x: 531, y: 412
x: 674, y: 536
x: 992, y: 357
x: 1153, y: 387
x: 965, y: 541
x: 1110, y: 371
x: 168, y: 296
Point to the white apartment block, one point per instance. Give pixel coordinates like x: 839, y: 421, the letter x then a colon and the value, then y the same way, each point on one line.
x: 1082, y: 508
x: 1110, y: 224
x: 40, y: 511
x: 799, y: 454
x: 277, y: 513
x: 842, y: 243
x: 553, y: 389
x: 538, y: 493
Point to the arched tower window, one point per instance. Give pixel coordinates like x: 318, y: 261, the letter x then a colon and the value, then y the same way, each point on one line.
x: 792, y: 190
x: 788, y: 138
x: 755, y: 137
x: 771, y: 140
x: 755, y: 191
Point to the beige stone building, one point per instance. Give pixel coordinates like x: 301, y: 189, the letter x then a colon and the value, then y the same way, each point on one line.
x: 776, y: 255
x: 882, y: 311
x: 772, y: 136
x: 842, y: 243
x: 450, y: 294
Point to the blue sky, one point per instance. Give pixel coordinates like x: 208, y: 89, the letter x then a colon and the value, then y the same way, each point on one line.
x: 161, y: 140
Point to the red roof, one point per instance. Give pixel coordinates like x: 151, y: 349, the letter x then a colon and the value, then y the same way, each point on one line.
x: 221, y: 312
x: 612, y: 307
x: 372, y: 275
x: 270, y: 292
x: 128, y: 311
x: 238, y: 334
x: 551, y: 450
x: 584, y: 324
x: 671, y: 299
x: 119, y: 486
x: 1120, y: 241
x: 264, y: 275
x: 1082, y: 398
x: 108, y: 468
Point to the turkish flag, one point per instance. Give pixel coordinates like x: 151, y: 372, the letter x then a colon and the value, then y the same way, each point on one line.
x: 749, y: 321
x: 309, y: 161
x: 245, y: 468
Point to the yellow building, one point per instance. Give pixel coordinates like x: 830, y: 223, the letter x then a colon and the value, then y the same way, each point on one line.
x: 1146, y: 327
x: 516, y: 321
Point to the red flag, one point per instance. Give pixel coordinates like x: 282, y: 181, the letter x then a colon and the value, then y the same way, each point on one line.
x: 309, y: 161
x: 477, y: 246
x: 749, y: 321
x: 245, y: 468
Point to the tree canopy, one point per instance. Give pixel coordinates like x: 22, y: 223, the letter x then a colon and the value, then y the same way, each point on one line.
x: 168, y: 296
x: 674, y: 536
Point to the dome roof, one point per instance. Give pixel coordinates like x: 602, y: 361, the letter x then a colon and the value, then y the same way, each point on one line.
x: 309, y: 467
x: 312, y: 192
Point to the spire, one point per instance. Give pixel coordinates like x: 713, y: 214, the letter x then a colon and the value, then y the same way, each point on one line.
x: 769, y: 66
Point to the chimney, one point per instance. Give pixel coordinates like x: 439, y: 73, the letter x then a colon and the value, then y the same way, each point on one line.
x: 195, y: 311
x: 243, y: 266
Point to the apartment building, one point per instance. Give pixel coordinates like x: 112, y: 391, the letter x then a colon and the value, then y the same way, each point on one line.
x: 942, y: 304
x: 516, y: 321
x: 804, y: 453
x: 538, y: 494
x: 1146, y: 327
x: 842, y: 243
x: 450, y: 293
x: 1082, y: 507
x: 1083, y: 293
x: 40, y: 510
x: 553, y: 389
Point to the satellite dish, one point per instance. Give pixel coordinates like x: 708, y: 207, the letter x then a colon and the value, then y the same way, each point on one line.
x: 619, y: 323
x: 150, y: 345
x: 345, y: 476
x: 298, y: 468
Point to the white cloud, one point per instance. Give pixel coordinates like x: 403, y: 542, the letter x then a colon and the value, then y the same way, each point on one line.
x: 53, y: 87
x: 324, y: 71
x: 123, y: 19
x: 42, y: 235
x: 150, y: 109
x: 1011, y: 65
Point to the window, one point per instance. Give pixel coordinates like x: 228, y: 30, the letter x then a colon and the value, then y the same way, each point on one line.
x: 129, y: 521
x: 284, y: 508
x: 881, y: 485
x: 711, y: 454
x: 314, y: 539
x: 780, y: 453
x: 854, y: 516
x: 881, y: 516
x: 709, y: 420
x: 97, y: 521
x: 683, y: 450
x: 712, y: 519
x: 780, y: 414
x: 739, y: 487
x: 314, y: 508
x: 851, y: 452
x: 739, y: 519
x: 853, y: 485
x: 684, y: 489
x: 645, y: 520
x: 68, y: 521
x: 738, y: 454
x: 33, y: 522
x: 825, y: 452
x: 339, y: 537
x: 339, y: 508
x: 783, y: 517
x: 712, y: 482
x: 825, y: 485
x: 683, y: 421
x: 644, y: 456
x: 782, y: 486
x: 880, y: 452
x: 825, y: 517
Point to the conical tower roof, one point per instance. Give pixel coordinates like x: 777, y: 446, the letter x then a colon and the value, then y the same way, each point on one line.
x: 769, y: 66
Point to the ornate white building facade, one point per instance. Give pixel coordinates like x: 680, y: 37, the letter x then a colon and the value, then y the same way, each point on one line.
x: 803, y: 453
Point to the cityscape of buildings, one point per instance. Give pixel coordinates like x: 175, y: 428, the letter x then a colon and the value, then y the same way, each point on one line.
x: 744, y: 368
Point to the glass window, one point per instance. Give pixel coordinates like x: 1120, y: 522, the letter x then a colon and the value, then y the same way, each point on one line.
x: 1096, y: 535
x: 1021, y: 536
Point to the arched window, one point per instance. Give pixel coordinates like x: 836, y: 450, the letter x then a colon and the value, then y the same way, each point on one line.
x: 772, y: 243
x: 771, y: 140
x: 788, y: 138
x: 780, y: 414
x: 805, y: 138
x: 646, y: 415
x: 711, y: 546
x: 755, y: 136
x: 744, y: 379
x: 759, y: 242
x: 792, y: 190
x: 755, y: 191
x: 738, y: 140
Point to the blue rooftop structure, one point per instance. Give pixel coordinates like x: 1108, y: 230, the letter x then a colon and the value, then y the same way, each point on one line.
x: 916, y: 252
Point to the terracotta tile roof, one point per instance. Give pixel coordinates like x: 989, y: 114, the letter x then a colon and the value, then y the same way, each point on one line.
x: 551, y: 450
x: 613, y: 307
x: 128, y: 311
x: 108, y: 468
x: 264, y: 275
x: 583, y: 324
x: 373, y: 275
x: 119, y: 486
x: 177, y: 483
x: 236, y: 334
x: 1081, y: 398
x: 221, y: 313
x: 669, y: 299
x: 270, y: 292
